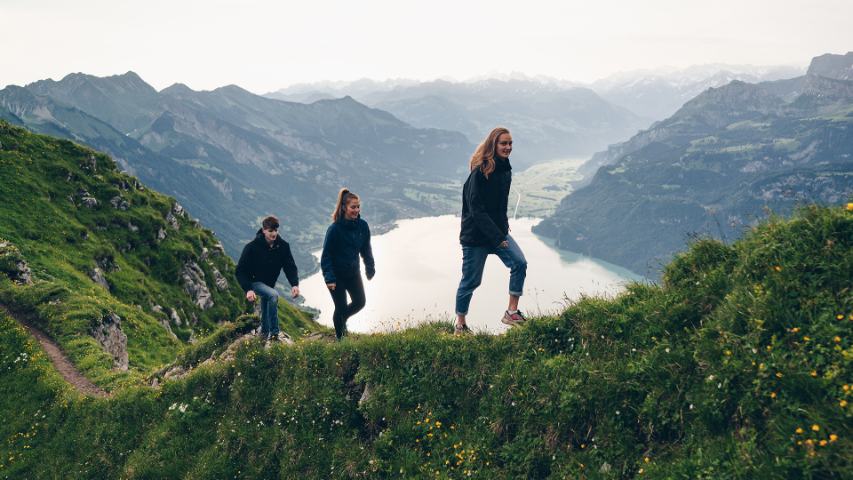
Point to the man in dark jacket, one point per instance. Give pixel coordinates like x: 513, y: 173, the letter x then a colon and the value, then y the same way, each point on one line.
x: 258, y: 269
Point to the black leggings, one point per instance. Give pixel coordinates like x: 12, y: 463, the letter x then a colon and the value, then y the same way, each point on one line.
x: 355, y: 287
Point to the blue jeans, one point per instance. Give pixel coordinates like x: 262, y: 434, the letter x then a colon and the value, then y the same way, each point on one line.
x: 473, y: 262
x: 269, y: 308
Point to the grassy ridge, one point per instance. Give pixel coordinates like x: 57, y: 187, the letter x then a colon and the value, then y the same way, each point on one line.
x: 738, y: 366
x: 67, y: 211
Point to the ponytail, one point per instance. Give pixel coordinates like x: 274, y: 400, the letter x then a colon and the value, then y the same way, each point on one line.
x: 344, y: 196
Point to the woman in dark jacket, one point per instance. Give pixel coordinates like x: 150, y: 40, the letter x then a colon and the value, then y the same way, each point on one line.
x: 485, y: 227
x: 346, y: 238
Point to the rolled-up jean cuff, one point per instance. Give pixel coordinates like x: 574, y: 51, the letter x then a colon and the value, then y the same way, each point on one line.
x: 463, y: 314
x: 515, y: 294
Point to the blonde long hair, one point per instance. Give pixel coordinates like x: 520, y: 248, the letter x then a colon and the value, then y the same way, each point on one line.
x: 344, y: 196
x: 484, y: 155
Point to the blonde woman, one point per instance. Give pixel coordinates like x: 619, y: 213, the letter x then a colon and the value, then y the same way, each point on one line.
x: 485, y: 226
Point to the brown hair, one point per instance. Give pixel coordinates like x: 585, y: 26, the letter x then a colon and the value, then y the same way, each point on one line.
x: 270, y: 222
x: 344, y: 196
x: 484, y: 155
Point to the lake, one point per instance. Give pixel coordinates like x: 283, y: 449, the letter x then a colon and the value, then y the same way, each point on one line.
x: 419, y: 265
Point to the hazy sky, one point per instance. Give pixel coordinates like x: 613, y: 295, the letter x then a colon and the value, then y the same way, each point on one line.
x: 266, y: 45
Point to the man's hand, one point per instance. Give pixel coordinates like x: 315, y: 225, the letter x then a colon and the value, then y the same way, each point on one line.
x: 331, y: 286
x: 250, y: 295
x: 294, y: 292
x: 504, y: 244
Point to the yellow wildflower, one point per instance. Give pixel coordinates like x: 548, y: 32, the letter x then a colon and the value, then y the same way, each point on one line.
x: 823, y: 443
x: 850, y: 206
x: 815, y: 428
x: 843, y: 403
x: 778, y: 374
x: 833, y: 437
x: 814, y: 373
x: 809, y: 441
x: 840, y: 316
x: 795, y: 329
x: 777, y: 268
x: 806, y: 338
x: 647, y: 459
x: 772, y: 394
x: 799, y: 430
x: 846, y: 387
x: 836, y: 339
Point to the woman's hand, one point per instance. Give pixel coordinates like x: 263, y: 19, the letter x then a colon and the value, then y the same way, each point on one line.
x: 331, y: 286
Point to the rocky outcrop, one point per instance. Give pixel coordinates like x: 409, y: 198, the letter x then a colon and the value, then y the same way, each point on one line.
x: 98, y: 277
x: 109, y: 335
x: 119, y: 203
x: 192, y: 277
x: 172, y: 221
x: 13, y: 264
x: 107, y: 262
x: 173, y: 314
x: 178, y: 210
x: 165, y: 324
x: 365, y: 395
x: 86, y: 199
x: 219, y: 280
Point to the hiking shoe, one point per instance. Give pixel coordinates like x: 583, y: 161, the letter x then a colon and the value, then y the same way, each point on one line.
x: 512, y: 319
x: 281, y: 337
x: 461, y: 329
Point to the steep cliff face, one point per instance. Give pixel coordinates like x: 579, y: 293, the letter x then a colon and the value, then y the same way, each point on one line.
x: 839, y: 67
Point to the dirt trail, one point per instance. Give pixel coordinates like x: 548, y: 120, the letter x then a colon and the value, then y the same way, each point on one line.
x: 68, y: 371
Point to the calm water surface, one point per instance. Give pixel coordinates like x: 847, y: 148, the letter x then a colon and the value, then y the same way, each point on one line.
x: 419, y: 265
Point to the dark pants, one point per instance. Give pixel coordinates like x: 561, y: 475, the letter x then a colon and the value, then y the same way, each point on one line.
x: 355, y: 288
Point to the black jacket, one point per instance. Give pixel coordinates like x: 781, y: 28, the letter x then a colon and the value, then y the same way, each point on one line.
x: 484, y: 205
x: 261, y: 262
x: 345, y: 240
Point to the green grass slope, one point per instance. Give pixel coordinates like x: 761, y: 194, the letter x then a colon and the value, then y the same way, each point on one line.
x: 737, y: 366
x: 67, y: 211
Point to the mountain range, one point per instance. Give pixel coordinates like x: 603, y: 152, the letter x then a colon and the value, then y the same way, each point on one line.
x: 549, y: 119
x: 232, y: 157
x: 716, y: 166
x: 657, y: 94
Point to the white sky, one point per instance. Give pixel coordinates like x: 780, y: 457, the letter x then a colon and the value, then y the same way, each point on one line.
x: 266, y: 45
